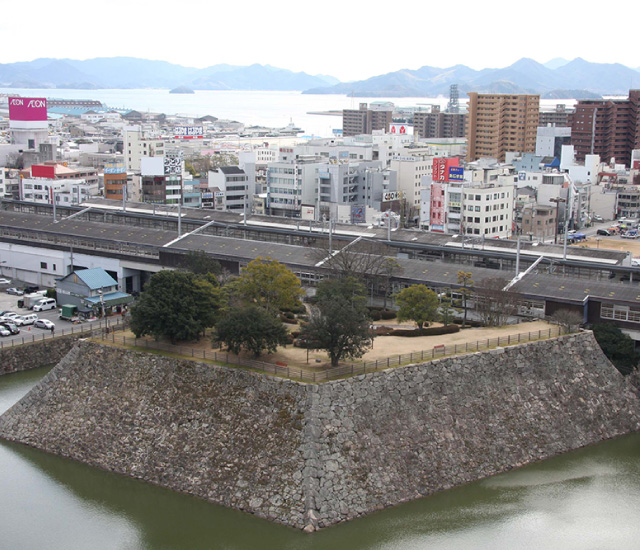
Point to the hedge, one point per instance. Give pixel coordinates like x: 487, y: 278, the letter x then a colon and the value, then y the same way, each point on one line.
x: 431, y: 331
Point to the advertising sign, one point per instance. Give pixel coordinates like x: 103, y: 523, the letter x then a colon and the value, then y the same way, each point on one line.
x: 188, y: 132
x: 43, y: 171
x: 28, y: 108
x: 401, y: 129
x: 522, y: 176
x: 439, y: 169
x: 456, y: 173
x: 358, y: 214
x: 437, y: 228
x: 390, y: 196
x: 114, y: 168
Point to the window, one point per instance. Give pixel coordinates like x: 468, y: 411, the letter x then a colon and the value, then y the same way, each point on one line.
x: 43, y: 265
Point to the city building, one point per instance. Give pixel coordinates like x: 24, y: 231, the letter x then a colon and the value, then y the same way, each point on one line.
x: 365, y: 120
x: 609, y: 128
x: 161, y: 179
x: 550, y: 139
x: 559, y: 115
x: 115, y: 181
x: 538, y: 222
x: 231, y: 188
x: 137, y: 146
x: 501, y: 123
x: 434, y: 123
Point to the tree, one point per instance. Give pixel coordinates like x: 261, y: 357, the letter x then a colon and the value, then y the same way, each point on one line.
x: 417, y: 303
x: 176, y: 305
x: 253, y: 329
x: 617, y: 346
x: 446, y: 310
x: 568, y: 319
x: 493, y: 304
x: 465, y: 281
x: 339, y: 322
x: 269, y: 284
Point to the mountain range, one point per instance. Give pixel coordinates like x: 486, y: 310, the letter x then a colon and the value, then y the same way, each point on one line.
x: 131, y: 72
x: 558, y: 79
x: 555, y: 79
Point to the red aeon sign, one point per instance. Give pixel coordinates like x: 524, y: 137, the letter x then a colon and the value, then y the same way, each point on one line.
x: 28, y: 108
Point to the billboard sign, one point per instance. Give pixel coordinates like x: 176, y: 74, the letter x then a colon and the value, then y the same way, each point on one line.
x: 358, y: 214
x: 114, y: 168
x: 456, y: 173
x: 43, y: 171
x: 28, y: 109
x: 439, y: 169
x: 188, y: 132
x: 401, y: 129
x: 390, y: 196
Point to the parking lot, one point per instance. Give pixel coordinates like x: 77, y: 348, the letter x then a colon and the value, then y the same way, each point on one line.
x: 9, y: 302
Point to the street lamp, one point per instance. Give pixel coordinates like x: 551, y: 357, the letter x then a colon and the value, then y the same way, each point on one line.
x: 557, y: 201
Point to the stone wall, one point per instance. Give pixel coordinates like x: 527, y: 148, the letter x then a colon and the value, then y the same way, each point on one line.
x: 36, y: 354
x: 313, y: 455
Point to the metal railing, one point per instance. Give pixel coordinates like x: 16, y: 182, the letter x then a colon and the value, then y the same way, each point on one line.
x: 29, y: 334
x: 321, y: 375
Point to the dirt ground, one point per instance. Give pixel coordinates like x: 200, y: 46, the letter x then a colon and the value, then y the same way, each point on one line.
x: 612, y: 243
x: 384, y: 346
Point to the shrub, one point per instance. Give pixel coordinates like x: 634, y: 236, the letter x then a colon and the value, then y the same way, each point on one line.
x: 375, y: 315
x: 383, y: 331
x: 285, y: 319
x: 289, y: 315
x: 432, y: 331
x: 387, y: 314
x: 469, y: 323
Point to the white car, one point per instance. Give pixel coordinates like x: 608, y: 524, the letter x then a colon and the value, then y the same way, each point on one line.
x: 8, y: 316
x: 4, y: 331
x: 46, y: 303
x: 4, y: 281
x: 44, y: 323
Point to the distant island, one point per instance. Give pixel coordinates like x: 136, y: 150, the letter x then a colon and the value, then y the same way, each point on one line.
x: 182, y: 90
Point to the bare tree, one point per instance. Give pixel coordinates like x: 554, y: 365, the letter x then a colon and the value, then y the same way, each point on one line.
x: 570, y: 320
x: 366, y: 261
x: 493, y: 304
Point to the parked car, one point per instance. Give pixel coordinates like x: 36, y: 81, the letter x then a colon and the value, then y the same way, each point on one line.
x: 44, y: 323
x: 43, y: 305
x: 604, y: 232
x: 4, y: 281
x: 15, y: 291
x: 22, y: 320
x: 13, y: 329
x: 8, y: 316
x: 633, y: 234
x: 597, y: 218
x: 31, y: 289
x: 4, y: 331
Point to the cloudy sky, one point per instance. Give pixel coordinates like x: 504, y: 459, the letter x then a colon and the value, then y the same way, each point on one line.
x: 349, y: 39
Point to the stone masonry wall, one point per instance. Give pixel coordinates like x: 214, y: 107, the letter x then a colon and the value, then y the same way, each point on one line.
x: 313, y: 455
x: 36, y: 354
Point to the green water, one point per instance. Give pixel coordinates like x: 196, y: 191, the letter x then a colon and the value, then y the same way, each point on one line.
x: 584, y: 500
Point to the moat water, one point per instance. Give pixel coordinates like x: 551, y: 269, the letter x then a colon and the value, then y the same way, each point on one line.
x: 586, y: 500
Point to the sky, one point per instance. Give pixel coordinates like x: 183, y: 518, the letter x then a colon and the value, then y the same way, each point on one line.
x: 347, y: 39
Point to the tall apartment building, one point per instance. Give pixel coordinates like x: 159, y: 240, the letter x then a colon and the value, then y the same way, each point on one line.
x: 607, y: 127
x: 556, y: 116
x: 435, y: 123
x: 365, y: 120
x: 500, y: 123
